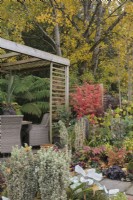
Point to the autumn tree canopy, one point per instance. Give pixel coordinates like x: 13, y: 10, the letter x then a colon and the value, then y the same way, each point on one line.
x: 95, y: 35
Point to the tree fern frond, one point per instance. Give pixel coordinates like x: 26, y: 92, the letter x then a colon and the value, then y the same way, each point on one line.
x: 41, y: 83
x: 27, y: 96
x: 22, y: 87
x: 38, y: 95
x: 44, y: 106
x: 3, y: 96
x: 3, y: 82
x: 31, y: 108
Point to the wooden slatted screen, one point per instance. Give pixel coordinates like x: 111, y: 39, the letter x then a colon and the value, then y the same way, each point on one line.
x: 59, y: 91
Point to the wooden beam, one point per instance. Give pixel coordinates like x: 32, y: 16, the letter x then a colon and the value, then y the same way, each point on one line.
x: 51, y: 95
x: 57, y: 85
x: 60, y: 73
x: 58, y: 90
x: 2, y: 71
x: 58, y: 81
x: 59, y: 69
x: 7, y: 44
x: 62, y: 94
x: 26, y: 66
x: 60, y: 98
x: 58, y: 77
x: 30, y: 60
x: 8, y: 55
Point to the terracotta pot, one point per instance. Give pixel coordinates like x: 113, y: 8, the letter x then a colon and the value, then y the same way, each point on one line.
x: 46, y: 146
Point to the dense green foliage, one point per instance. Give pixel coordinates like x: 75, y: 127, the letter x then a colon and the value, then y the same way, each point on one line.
x: 115, y: 127
x: 30, y: 92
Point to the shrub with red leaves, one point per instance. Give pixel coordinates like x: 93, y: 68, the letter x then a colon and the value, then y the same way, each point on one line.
x: 87, y: 99
x: 116, y: 156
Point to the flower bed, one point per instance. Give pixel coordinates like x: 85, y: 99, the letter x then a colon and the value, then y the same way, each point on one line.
x: 45, y: 175
x: 108, y: 150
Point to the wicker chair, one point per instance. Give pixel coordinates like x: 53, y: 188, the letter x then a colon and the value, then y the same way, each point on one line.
x: 10, y: 127
x: 39, y: 133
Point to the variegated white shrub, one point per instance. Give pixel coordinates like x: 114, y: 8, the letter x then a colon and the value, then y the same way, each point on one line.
x: 64, y: 140
x: 53, y: 174
x: 20, y: 176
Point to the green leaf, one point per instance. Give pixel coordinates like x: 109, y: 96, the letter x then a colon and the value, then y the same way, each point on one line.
x: 31, y: 108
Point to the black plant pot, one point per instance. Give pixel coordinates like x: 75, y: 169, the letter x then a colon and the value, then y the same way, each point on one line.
x: 56, y: 141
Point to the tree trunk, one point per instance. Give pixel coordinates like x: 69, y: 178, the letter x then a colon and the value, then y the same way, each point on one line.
x: 86, y: 7
x: 57, y: 39
x: 119, y: 87
x: 130, y: 83
x: 56, y: 31
x: 82, y: 68
x: 130, y: 71
x: 95, y: 56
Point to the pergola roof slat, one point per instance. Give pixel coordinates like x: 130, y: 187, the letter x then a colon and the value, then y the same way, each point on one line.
x: 8, y: 55
x: 30, y: 60
x: 26, y: 66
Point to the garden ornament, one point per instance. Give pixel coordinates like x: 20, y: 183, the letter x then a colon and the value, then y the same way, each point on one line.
x: 90, y: 173
x: 4, y: 198
x: 90, y: 177
x: 111, y: 192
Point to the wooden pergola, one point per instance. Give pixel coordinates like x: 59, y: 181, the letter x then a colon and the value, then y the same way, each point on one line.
x: 38, y: 60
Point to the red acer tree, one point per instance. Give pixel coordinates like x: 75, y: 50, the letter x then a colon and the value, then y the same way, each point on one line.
x: 87, y: 99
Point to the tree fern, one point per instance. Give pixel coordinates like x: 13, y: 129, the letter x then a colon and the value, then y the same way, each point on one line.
x: 41, y: 94
x: 31, y: 92
x: 25, y: 96
x: 31, y: 108
x: 44, y: 106
x: 35, y: 94
x: 23, y: 84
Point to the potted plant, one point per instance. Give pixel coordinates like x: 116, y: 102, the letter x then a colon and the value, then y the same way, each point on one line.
x: 7, y: 106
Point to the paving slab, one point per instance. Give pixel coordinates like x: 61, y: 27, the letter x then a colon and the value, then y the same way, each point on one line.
x: 129, y: 191
x: 113, y: 184
x: 129, y: 197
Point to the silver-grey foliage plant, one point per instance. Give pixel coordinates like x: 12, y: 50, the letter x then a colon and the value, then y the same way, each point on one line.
x: 20, y: 175
x: 53, y: 174
x: 63, y: 133
x: 79, y: 133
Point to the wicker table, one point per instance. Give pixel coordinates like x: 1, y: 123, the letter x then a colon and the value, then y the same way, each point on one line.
x: 26, y: 122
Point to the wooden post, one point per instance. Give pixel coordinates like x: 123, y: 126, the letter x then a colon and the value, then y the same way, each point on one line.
x: 67, y: 87
x: 51, y: 88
